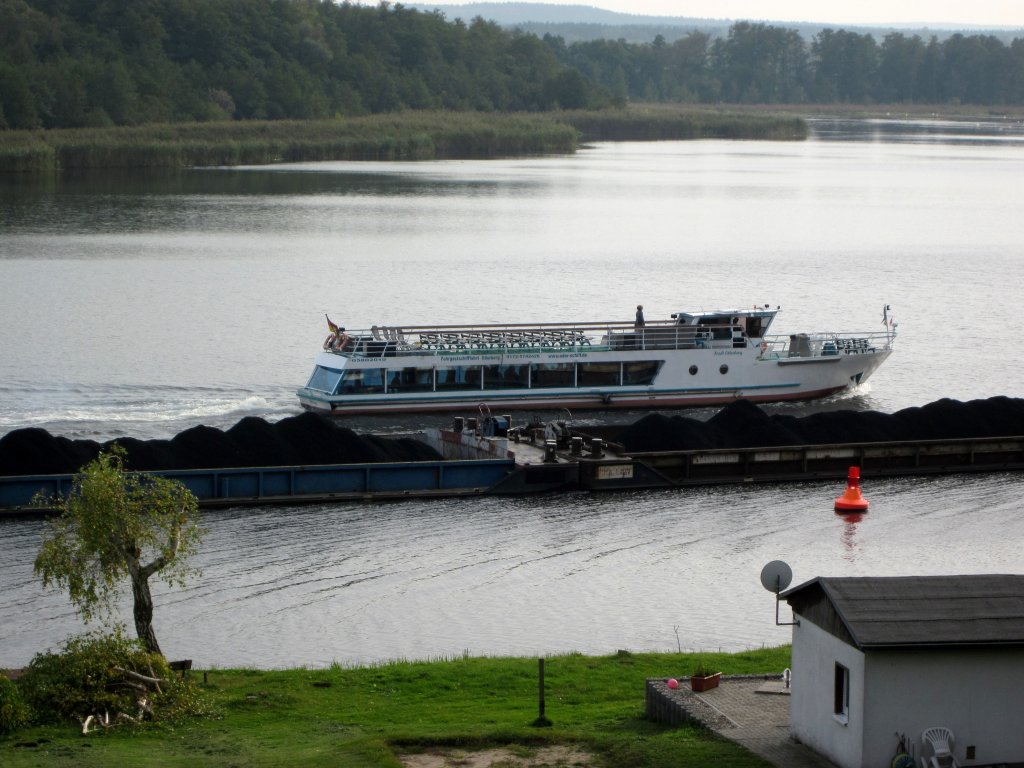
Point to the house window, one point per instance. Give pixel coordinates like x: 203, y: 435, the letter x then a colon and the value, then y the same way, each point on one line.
x: 841, y: 708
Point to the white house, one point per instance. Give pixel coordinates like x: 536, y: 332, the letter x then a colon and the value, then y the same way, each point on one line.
x: 877, y: 657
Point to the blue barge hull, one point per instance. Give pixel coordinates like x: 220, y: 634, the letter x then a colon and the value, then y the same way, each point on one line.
x: 282, y: 485
x: 575, y: 470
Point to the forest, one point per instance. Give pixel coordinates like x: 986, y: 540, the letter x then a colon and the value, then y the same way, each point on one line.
x: 101, y: 63
x: 766, y: 64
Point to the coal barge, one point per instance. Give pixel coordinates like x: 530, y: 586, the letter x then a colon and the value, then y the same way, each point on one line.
x: 309, y: 458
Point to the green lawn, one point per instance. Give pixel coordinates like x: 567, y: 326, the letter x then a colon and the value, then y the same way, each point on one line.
x: 361, y: 717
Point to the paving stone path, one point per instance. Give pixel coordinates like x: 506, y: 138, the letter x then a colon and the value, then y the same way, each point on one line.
x: 753, y: 712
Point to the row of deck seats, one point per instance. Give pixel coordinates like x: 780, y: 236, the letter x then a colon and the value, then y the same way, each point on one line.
x: 501, y: 339
x: 853, y: 345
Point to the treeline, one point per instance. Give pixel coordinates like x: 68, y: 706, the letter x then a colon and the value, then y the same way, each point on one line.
x: 102, y: 63
x: 765, y: 64
x: 95, y: 63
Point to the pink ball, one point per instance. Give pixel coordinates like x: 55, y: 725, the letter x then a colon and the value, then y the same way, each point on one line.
x: 673, y: 683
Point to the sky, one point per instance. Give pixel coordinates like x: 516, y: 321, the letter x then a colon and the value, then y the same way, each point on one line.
x: 987, y: 13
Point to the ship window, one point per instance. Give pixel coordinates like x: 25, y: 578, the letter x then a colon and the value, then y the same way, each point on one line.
x: 693, y: 370
x: 723, y: 369
x: 721, y: 332
x: 411, y: 380
x: 506, y: 376
x: 599, y: 374
x: 553, y: 375
x: 640, y: 371
x: 324, y: 379
x: 718, y: 326
x: 459, y: 377
x: 362, y: 382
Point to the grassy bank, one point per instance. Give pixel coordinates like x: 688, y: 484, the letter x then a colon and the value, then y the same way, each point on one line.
x: 399, y: 136
x: 363, y: 717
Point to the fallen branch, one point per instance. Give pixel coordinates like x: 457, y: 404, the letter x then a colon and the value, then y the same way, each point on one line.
x: 103, y: 720
x: 141, y: 678
x: 143, y: 685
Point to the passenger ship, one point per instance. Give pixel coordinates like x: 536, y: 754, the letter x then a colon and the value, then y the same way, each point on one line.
x: 695, y: 358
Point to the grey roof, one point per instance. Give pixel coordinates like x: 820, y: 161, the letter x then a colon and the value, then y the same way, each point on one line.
x: 914, y: 611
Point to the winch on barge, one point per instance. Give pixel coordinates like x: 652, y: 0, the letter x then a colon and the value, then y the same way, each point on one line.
x: 693, y: 359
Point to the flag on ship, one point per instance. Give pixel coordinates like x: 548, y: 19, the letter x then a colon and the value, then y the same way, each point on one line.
x: 333, y: 328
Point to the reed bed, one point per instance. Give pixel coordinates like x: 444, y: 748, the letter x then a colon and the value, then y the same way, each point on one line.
x: 668, y: 123
x: 403, y: 136
x: 394, y: 136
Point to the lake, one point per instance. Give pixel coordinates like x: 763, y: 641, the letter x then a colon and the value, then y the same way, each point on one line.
x: 143, y: 305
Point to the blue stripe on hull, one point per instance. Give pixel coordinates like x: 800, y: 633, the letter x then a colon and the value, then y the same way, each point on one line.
x: 616, y: 400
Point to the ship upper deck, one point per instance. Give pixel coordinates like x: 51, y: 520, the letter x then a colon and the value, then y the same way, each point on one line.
x: 391, y: 341
x: 734, y: 328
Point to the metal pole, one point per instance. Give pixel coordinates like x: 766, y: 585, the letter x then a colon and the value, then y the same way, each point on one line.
x: 540, y: 686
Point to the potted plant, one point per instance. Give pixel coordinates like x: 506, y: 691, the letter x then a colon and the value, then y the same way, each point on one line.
x: 703, y: 679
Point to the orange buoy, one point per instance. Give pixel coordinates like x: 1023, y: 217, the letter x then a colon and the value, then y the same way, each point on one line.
x: 851, y: 500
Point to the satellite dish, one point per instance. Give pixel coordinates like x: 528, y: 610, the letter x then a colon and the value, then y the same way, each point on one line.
x: 776, y: 576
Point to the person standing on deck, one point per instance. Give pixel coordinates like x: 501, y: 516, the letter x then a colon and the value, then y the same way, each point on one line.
x: 639, y: 316
x: 638, y: 326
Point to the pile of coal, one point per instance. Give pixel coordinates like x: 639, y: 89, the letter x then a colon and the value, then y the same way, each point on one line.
x: 307, y: 439
x: 743, y: 425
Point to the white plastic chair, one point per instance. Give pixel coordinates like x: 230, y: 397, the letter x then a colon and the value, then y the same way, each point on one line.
x: 940, y: 741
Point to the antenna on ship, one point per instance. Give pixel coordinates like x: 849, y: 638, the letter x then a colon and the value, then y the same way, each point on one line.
x: 775, y: 577
x: 889, y: 322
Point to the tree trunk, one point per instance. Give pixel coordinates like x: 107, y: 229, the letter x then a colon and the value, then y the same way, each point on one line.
x: 144, y: 613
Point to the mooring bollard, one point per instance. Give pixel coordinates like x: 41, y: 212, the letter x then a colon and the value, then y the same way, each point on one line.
x: 550, y: 446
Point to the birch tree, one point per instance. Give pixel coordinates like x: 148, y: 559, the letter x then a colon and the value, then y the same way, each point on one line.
x: 117, y: 525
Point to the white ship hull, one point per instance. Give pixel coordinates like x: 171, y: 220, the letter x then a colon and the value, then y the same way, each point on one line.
x: 695, y: 360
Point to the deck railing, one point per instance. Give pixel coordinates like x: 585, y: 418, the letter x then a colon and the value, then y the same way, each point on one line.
x: 826, y: 344
x: 658, y: 335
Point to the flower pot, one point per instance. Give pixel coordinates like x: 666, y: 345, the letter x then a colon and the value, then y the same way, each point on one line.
x: 701, y: 683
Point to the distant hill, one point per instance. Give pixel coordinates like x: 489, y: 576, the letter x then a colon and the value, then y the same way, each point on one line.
x: 552, y: 13
x: 576, y: 23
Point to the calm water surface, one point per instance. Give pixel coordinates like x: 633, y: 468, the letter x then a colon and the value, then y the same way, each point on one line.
x: 143, y: 306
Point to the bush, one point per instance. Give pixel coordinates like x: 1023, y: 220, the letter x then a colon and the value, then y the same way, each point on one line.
x: 13, y: 712
x: 87, y: 678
